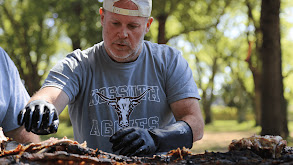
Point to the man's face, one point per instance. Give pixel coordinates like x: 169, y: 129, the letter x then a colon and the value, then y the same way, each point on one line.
x: 123, y: 35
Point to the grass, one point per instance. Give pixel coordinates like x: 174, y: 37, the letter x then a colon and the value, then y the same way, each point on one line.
x: 231, y: 126
x: 225, y: 128
x: 220, y: 133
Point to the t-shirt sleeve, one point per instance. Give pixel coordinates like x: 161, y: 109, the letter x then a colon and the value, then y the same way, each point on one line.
x: 66, y: 74
x: 179, y: 82
x: 15, y: 93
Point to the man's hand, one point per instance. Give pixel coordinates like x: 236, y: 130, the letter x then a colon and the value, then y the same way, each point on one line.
x: 142, y: 142
x: 39, y: 117
x: 133, y: 141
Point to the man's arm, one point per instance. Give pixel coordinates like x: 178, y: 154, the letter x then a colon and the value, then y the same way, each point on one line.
x: 52, y: 95
x: 189, y: 111
x: 20, y: 135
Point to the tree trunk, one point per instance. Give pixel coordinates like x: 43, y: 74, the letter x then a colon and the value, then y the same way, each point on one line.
x: 285, y: 130
x: 272, y: 80
x: 75, y: 35
x: 257, y: 99
x: 207, y: 111
x: 162, y: 28
x: 241, y: 113
x: 255, y: 63
x: 32, y: 84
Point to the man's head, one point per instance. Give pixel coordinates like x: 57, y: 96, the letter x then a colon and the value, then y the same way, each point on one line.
x: 125, y: 23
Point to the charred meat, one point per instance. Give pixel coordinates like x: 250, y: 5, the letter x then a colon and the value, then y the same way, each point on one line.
x: 265, y: 146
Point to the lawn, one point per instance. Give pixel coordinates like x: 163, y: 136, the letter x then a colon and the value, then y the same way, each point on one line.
x: 219, y: 135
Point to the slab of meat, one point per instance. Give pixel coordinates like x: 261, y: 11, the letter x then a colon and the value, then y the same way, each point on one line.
x: 265, y: 146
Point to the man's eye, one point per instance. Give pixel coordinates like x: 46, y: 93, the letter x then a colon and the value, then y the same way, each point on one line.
x: 132, y: 26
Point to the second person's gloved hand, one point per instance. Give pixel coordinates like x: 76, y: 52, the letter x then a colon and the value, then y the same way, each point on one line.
x: 39, y: 117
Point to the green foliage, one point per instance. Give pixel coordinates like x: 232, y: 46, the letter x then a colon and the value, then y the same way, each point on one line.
x: 224, y: 113
x: 30, y: 32
x: 290, y: 113
x: 231, y: 126
x: 29, y: 36
x: 81, y: 21
x: 185, y: 16
x: 229, y: 113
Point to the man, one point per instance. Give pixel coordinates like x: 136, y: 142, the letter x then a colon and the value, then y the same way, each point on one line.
x: 13, y: 97
x: 138, y: 95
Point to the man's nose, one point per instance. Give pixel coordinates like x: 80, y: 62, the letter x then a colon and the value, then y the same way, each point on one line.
x: 123, y: 33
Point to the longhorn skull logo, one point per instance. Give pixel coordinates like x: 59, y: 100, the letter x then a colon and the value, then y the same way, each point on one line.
x: 123, y: 106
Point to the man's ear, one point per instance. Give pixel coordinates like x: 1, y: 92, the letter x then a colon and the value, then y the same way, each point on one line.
x: 102, y: 15
x: 150, y: 21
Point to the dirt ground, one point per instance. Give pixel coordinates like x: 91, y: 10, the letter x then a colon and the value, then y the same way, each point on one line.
x: 218, y: 142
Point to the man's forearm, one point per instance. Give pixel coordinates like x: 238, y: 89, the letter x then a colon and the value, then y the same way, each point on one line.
x: 197, y: 125
x: 52, y: 95
x: 188, y: 110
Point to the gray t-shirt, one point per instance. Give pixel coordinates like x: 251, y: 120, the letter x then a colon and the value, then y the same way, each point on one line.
x: 13, y: 95
x: 106, y: 95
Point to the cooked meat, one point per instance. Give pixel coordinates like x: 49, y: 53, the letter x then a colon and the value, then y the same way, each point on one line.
x: 2, y: 139
x: 265, y: 146
x: 2, y: 136
x: 248, y: 151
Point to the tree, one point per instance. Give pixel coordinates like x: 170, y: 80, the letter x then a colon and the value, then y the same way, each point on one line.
x: 234, y: 90
x: 209, y: 55
x: 183, y: 17
x: 32, y: 30
x: 254, y: 40
x: 186, y: 16
x: 29, y: 37
x: 273, y: 102
x: 80, y: 19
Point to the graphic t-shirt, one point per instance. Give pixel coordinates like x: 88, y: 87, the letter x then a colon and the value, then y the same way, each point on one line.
x: 13, y: 95
x: 106, y: 96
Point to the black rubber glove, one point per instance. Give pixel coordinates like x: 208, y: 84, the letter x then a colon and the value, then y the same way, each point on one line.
x: 133, y: 141
x: 177, y: 135
x: 142, y: 142
x: 39, y: 117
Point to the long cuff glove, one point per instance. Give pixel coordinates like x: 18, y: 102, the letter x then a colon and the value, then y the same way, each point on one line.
x: 177, y: 135
x: 39, y: 117
x: 142, y: 142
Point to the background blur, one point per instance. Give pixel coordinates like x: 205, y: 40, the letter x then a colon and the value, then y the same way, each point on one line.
x: 239, y: 51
